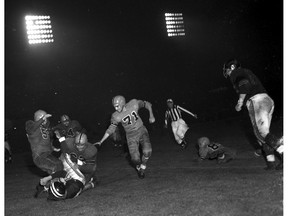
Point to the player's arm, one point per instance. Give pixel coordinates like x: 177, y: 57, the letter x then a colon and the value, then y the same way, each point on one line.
x: 32, y: 126
x: 203, y: 152
x: 166, y: 119
x: 148, y: 106
x: 240, y: 101
x: 187, y: 111
x: 111, y: 129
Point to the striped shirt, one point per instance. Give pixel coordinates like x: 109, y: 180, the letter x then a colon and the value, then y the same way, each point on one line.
x: 173, y: 113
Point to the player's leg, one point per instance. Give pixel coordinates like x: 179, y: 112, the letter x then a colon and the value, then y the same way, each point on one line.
x: 174, y: 126
x: 181, y: 131
x: 260, y: 113
x: 146, y: 150
x: 8, y: 152
x: 48, y: 163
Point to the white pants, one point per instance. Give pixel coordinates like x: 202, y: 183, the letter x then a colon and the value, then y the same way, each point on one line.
x: 260, y: 108
x: 179, y: 129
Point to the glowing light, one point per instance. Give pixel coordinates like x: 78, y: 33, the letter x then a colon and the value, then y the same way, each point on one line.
x: 39, y: 29
x: 174, y: 24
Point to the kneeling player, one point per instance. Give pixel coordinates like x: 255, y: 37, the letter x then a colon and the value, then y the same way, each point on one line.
x: 213, y: 150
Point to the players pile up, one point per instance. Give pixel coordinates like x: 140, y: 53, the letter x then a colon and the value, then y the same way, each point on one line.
x: 72, y: 167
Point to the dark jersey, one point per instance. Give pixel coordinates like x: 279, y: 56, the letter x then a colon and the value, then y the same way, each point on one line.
x: 129, y: 118
x: 70, y: 130
x: 39, y: 137
x: 88, y: 156
x: 245, y: 82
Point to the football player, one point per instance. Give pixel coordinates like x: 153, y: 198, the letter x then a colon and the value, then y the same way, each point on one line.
x: 178, y: 125
x: 260, y: 106
x: 136, y: 132
x: 68, y: 127
x: 65, y: 184
x: 213, y: 150
x: 81, y: 150
x: 39, y: 136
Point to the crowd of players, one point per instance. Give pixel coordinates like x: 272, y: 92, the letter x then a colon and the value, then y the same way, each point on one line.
x: 74, y: 171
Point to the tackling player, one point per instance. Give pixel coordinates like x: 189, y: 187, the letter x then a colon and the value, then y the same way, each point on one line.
x: 213, y: 150
x: 260, y: 107
x: 178, y: 125
x: 39, y: 136
x: 136, y: 132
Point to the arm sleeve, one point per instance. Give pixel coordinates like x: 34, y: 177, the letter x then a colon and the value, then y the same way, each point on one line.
x: 32, y: 126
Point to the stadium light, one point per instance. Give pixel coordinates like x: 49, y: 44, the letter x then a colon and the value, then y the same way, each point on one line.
x: 39, y: 29
x: 174, y: 24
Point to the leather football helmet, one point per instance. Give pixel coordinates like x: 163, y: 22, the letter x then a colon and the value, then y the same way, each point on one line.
x: 118, y: 102
x: 227, y: 66
x: 203, y: 141
x: 39, y: 114
x: 57, y: 190
x: 80, y: 141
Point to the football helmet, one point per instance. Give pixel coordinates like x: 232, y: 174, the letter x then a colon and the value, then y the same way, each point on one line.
x: 118, y: 102
x: 227, y: 66
x: 64, y: 118
x: 80, y: 141
x: 57, y: 190
x: 39, y: 114
x: 203, y: 141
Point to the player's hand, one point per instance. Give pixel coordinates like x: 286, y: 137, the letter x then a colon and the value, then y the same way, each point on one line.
x: 238, y: 107
x: 152, y: 119
x: 195, y: 116
x: 47, y: 116
x: 97, y: 145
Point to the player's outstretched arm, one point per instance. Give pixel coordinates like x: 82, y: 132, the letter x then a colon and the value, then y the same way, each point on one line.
x: 99, y: 143
x: 148, y: 106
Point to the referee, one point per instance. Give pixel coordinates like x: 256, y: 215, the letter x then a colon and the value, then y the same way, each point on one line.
x: 179, y: 126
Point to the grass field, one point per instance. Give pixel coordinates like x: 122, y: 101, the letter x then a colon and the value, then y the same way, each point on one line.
x: 176, y: 183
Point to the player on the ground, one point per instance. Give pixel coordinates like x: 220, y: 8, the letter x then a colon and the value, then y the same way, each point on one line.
x: 67, y: 183
x: 260, y: 107
x: 39, y: 136
x: 178, y: 125
x: 80, y: 152
x: 213, y: 150
x: 136, y: 132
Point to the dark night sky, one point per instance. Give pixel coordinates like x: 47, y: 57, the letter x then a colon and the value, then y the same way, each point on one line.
x: 104, y: 48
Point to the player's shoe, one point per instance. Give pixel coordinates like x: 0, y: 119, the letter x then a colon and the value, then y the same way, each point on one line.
x: 183, y: 144
x: 140, y: 172
x: 39, y: 190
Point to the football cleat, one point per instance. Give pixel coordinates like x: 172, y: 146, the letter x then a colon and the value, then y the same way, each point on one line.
x: 140, y: 172
x: 183, y: 144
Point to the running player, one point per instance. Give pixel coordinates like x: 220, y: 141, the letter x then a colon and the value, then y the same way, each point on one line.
x: 136, y: 132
